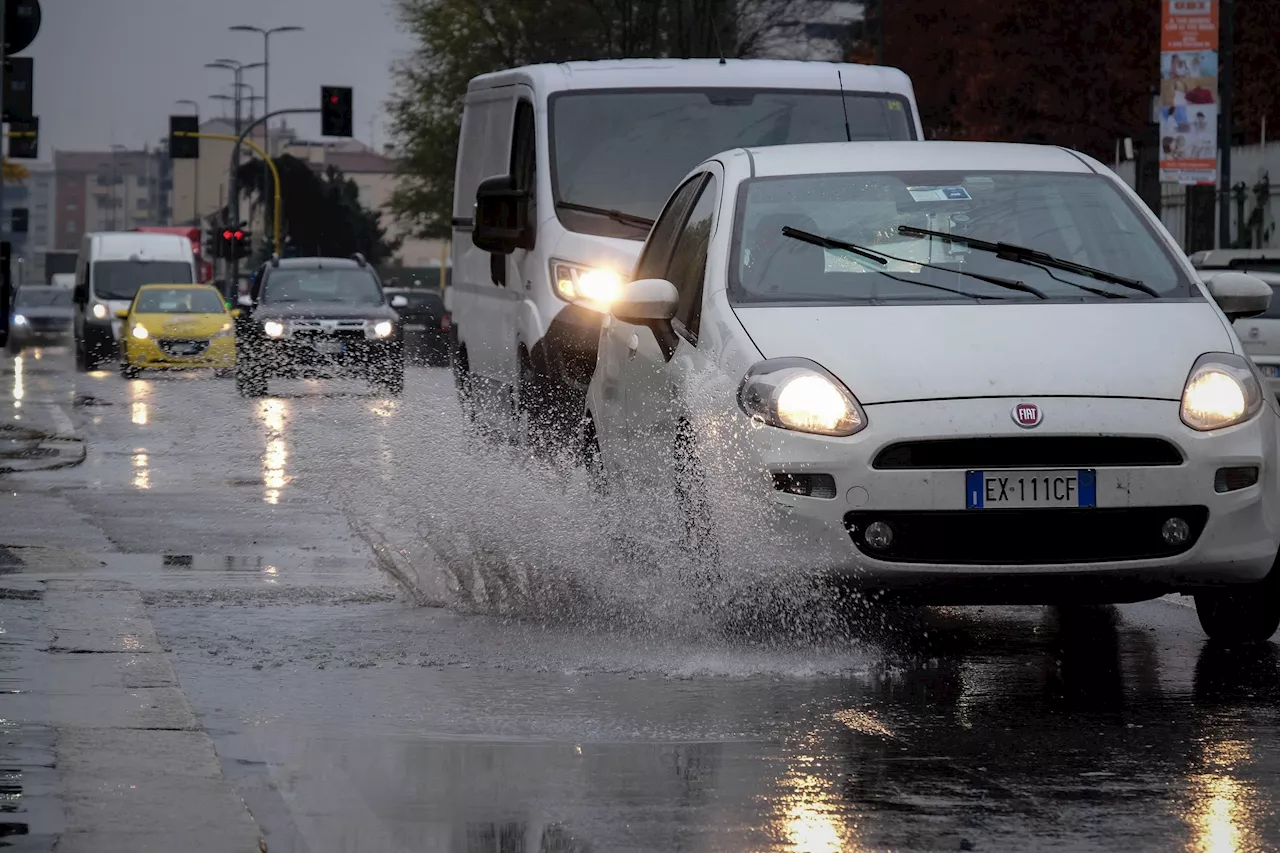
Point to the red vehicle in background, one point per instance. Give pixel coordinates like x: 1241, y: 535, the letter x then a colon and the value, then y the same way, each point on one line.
x: 204, y: 268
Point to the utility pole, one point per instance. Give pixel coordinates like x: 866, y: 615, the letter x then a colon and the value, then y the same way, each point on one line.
x: 266, y: 67
x: 1226, y: 83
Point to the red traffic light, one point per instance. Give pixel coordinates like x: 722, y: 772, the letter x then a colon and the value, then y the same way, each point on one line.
x: 333, y: 99
x: 239, y: 235
x: 226, y: 235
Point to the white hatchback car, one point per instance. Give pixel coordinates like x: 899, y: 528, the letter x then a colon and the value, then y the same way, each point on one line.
x: 975, y: 372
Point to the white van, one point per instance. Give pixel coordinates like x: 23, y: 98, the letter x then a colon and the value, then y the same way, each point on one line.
x: 109, y: 270
x: 562, y: 169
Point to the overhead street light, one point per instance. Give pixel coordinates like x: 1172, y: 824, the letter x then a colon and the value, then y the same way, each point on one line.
x: 266, y: 63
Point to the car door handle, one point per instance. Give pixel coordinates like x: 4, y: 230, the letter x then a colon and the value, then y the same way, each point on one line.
x: 633, y: 344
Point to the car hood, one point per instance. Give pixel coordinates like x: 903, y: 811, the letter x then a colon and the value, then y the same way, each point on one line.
x: 180, y: 325
x: 900, y: 353
x: 324, y: 311
x: 45, y: 312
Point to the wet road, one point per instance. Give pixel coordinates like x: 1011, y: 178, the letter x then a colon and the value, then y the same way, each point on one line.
x: 346, y: 623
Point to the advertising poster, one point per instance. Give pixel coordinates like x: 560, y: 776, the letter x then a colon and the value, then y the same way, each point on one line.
x: 1189, y: 91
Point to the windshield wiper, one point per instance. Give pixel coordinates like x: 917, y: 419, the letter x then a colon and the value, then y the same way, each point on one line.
x: 882, y: 259
x: 1033, y: 257
x: 615, y: 215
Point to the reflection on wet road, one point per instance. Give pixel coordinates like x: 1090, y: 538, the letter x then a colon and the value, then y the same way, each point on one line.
x: 350, y: 720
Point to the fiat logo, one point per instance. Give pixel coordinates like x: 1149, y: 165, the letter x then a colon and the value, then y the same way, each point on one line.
x: 1026, y: 415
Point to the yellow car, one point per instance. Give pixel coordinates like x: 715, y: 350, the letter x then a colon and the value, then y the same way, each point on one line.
x: 176, y: 326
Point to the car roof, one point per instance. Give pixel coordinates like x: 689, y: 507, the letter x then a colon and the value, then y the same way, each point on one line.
x: 1224, y: 257
x: 315, y: 263
x: 177, y: 286
x: 699, y: 73
x: 831, y: 157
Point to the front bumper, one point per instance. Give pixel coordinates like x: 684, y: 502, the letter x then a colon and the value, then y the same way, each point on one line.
x: 1235, y: 536
x: 161, y: 354
x: 288, y: 356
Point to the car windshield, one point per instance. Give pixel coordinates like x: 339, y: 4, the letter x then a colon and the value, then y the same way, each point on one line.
x: 179, y: 300
x: 661, y: 134
x: 322, y: 285
x: 1081, y: 219
x: 121, y: 279
x: 42, y: 297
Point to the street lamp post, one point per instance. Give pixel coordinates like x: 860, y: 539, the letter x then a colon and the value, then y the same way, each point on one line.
x: 266, y: 65
x: 115, y: 176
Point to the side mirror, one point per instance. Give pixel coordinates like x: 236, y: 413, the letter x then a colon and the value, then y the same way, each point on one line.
x: 122, y: 314
x: 1239, y: 295
x: 502, y: 217
x: 647, y: 301
x: 244, y: 300
x: 399, y: 301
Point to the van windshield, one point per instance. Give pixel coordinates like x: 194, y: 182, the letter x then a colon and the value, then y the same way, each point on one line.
x: 121, y: 279
x: 626, y: 150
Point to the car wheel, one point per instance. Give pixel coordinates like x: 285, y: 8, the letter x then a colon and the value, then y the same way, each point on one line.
x: 128, y: 371
x: 12, y: 346
x: 1246, y: 614
x: 251, y: 380
x: 82, y: 357
x: 592, y: 462
x: 462, y: 382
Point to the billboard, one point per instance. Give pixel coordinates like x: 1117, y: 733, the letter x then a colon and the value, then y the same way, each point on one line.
x: 1189, y: 91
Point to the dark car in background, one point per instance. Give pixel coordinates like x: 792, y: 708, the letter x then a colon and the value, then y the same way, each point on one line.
x: 426, y: 324
x: 318, y: 317
x: 41, y: 315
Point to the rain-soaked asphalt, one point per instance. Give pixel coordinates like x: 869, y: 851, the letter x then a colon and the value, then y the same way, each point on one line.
x: 402, y: 637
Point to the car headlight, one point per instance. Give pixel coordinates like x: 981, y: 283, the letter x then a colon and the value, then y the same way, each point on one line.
x: 19, y: 320
x: 224, y: 332
x: 140, y: 332
x: 273, y: 329
x: 797, y: 394
x: 594, y: 286
x: 1221, y: 390
x: 100, y: 310
x: 382, y: 329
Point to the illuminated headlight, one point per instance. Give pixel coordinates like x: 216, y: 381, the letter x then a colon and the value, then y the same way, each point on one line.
x: 382, y: 329
x: 594, y: 286
x: 797, y: 394
x: 99, y: 311
x: 273, y: 329
x: 1222, y: 390
x: 140, y: 332
x: 224, y: 332
x: 19, y: 320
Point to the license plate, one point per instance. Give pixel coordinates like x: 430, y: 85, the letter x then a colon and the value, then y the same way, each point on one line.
x: 185, y: 349
x: 415, y: 327
x: 1030, y: 489
x: 1269, y: 370
x: 329, y: 347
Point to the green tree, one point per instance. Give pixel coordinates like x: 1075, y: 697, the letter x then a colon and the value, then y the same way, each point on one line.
x: 321, y: 214
x: 459, y: 39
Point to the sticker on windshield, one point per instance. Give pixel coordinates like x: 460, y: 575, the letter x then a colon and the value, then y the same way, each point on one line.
x: 939, y: 193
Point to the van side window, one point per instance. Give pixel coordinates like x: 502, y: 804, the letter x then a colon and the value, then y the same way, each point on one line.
x: 688, y: 267
x: 524, y: 154
x: 657, y: 249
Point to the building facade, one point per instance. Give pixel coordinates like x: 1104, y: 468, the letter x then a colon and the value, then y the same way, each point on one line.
x: 114, y: 190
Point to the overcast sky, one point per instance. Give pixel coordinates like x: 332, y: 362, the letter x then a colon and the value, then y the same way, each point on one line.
x: 109, y: 71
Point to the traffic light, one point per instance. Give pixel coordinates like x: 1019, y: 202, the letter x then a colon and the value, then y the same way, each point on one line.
x: 335, y: 111
x: 184, y: 147
x: 213, y: 243
x: 24, y: 139
x: 19, y: 72
x: 242, y: 243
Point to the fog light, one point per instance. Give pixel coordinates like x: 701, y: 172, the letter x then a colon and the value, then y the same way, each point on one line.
x: 1175, y: 531
x: 1232, y: 479
x: 878, y: 535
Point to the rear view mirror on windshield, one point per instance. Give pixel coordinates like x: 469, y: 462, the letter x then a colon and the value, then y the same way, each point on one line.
x: 399, y: 301
x: 1239, y: 295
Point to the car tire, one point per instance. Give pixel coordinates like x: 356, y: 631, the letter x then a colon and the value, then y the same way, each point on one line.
x: 82, y: 358
x: 462, y: 383
x: 128, y: 371
x: 11, y: 346
x: 1246, y: 614
x: 251, y: 380
x: 592, y: 461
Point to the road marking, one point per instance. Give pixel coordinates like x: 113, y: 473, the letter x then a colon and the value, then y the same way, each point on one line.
x: 61, y: 421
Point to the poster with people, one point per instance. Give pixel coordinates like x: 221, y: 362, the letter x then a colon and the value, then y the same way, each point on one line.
x: 1189, y: 91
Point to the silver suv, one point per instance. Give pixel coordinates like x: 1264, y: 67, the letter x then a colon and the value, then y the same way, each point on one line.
x: 1260, y: 335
